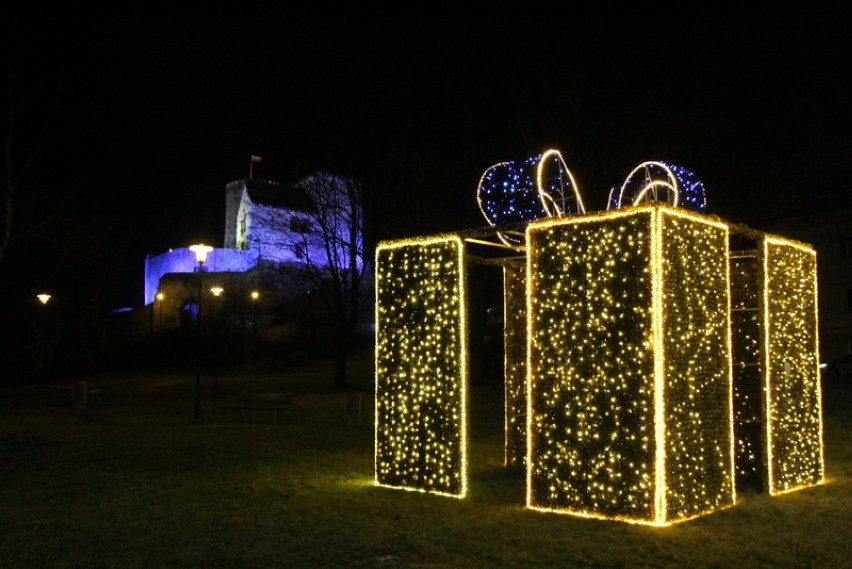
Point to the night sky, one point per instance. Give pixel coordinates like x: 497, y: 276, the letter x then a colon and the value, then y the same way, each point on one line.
x: 164, y: 105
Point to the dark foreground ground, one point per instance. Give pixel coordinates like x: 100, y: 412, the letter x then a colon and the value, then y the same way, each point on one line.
x: 133, y: 481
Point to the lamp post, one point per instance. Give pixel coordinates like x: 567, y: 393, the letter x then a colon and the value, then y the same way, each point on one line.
x: 160, y: 298
x: 200, y: 256
x: 254, y: 296
x: 43, y: 298
x: 217, y: 291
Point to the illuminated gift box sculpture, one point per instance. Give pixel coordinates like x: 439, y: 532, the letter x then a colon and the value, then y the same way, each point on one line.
x: 421, y: 366
x: 629, y: 379
x: 777, y: 399
x: 515, y: 364
x: 649, y: 368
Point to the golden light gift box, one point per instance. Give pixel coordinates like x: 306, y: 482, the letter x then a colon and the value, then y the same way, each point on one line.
x: 629, y: 407
x: 635, y: 405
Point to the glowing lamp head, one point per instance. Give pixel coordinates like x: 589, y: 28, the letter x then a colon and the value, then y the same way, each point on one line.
x: 255, y: 295
x: 160, y: 296
x: 43, y: 298
x: 200, y: 252
x: 217, y: 290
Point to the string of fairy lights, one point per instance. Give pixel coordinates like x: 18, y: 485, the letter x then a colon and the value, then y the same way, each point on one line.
x: 696, y: 351
x: 649, y: 368
x: 746, y: 325
x: 590, y: 366
x: 515, y: 364
x: 792, y: 389
x: 421, y: 366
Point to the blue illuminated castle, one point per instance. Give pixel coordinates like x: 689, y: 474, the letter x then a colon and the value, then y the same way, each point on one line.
x: 273, y: 232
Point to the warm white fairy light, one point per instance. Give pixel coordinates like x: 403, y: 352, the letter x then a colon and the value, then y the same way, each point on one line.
x: 421, y: 366
x: 628, y: 377
x: 793, y: 398
x: 515, y: 371
x: 642, y: 172
x: 555, y: 206
x: 652, y: 188
x: 695, y: 324
x: 746, y: 324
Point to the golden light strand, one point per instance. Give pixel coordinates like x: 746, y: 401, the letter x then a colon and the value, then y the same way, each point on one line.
x: 421, y: 366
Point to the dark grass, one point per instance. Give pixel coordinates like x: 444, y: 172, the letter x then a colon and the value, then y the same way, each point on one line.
x: 134, y: 482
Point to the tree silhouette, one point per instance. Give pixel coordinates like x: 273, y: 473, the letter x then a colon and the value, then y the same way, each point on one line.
x: 323, y: 243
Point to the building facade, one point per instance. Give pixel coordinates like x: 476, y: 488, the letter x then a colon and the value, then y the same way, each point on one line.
x: 279, y: 243
x: 313, y: 222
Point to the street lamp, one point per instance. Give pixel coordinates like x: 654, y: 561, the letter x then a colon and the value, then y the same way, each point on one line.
x: 254, y: 296
x: 43, y: 298
x: 216, y: 291
x: 160, y: 297
x: 200, y: 256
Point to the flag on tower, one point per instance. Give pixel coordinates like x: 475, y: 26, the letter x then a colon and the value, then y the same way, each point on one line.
x: 255, y: 158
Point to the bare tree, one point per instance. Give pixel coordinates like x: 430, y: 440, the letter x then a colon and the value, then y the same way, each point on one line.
x: 322, y: 240
x: 19, y: 156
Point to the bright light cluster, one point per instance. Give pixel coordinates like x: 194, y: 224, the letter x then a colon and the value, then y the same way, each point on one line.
x: 792, y: 389
x: 629, y: 410
x: 650, y: 370
x: 521, y: 191
x: 515, y: 365
x: 699, y: 453
x: 662, y: 182
x: 421, y: 366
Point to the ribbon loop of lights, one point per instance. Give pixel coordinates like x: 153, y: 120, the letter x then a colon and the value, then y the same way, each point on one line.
x: 662, y: 182
x: 539, y: 187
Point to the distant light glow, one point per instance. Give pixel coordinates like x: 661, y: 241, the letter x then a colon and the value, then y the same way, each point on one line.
x: 217, y: 290
x: 43, y: 298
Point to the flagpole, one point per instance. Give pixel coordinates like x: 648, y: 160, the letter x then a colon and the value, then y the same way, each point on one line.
x: 252, y: 159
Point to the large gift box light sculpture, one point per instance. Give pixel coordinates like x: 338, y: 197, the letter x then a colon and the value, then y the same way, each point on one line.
x: 656, y: 357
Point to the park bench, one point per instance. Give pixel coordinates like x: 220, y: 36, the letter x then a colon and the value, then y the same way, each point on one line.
x: 83, y: 395
x: 275, y: 402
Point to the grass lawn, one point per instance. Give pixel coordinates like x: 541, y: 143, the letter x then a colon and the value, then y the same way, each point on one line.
x: 133, y: 481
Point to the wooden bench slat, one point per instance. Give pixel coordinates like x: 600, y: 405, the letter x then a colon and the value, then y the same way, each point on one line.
x: 274, y: 402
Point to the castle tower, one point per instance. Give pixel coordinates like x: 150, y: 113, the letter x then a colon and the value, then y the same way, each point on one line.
x: 233, y: 197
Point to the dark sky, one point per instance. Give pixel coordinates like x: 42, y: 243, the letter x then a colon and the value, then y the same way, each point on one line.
x: 169, y: 102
